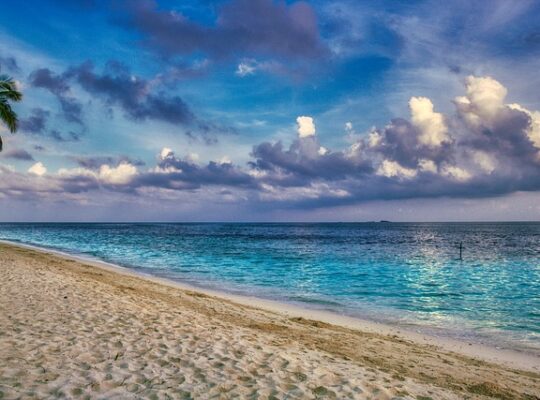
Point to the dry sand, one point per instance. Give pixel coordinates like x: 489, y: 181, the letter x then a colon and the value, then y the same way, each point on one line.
x: 69, y: 329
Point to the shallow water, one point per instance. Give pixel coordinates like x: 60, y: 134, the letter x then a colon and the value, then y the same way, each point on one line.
x: 406, y: 273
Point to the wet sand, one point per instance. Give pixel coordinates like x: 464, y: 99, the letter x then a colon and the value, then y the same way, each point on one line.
x: 74, y: 329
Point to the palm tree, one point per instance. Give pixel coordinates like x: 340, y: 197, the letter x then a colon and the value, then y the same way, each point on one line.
x: 8, y: 93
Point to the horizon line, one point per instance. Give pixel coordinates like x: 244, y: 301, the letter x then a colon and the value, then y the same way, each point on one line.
x: 382, y: 221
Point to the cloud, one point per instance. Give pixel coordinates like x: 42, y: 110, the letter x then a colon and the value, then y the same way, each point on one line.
x: 533, y: 131
x: 172, y: 172
x: 488, y: 150
x: 304, y: 162
x: 402, y: 141
x: 166, y: 152
x: 484, y: 99
x: 59, y: 86
x: 46, y: 79
x: 38, y: 169
x: 504, y: 130
x: 95, y: 162
x: 9, y: 63
x: 485, y: 161
x: 69, y: 137
x: 427, y: 166
x: 18, y: 154
x: 392, y: 169
x: 433, y: 129
x: 250, y: 66
x: 245, y: 28
x: 140, y: 99
x: 306, y: 126
x: 455, y: 172
x: 36, y: 122
x: 118, y: 86
x: 119, y: 175
x: 245, y: 69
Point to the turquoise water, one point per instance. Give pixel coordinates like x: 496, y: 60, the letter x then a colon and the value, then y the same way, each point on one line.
x: 399, y: 273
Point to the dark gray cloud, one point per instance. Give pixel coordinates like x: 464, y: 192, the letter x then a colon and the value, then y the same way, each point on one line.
x: 176, y: 173
x: 242, y: 28
x: 46, y: 79
x: 70, y: 136
x: 18, y: 154
x: 505, y: 136
x: 140, y: 99
x: 36, y: 122
x: 117, y: 86
x: 400, y: 143
x: 9, y: 63
x: 59, y: 86
x: 304, y: 161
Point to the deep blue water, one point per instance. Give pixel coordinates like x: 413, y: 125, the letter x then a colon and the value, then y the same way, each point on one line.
x: 405, y: 273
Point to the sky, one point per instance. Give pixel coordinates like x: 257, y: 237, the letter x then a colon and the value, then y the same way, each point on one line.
x: 265, y: 110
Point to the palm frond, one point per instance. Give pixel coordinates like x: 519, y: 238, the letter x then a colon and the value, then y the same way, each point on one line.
x: 8, y: 89
x: 8, y: 116
x: 8, y: 92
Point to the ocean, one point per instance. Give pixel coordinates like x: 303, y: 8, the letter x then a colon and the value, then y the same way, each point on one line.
x: 409, y: 274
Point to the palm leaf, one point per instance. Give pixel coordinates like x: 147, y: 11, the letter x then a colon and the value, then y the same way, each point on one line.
x: 8, y: 116
x: 8, y: 92
x: 8, y: 89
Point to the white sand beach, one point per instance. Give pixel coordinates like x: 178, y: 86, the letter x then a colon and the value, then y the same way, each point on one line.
x: 75, y: 329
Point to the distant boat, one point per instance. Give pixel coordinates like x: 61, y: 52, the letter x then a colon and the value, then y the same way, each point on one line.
x: 383, y: 221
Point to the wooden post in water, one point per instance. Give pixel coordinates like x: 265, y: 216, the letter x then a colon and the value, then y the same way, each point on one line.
x: 461, y: 251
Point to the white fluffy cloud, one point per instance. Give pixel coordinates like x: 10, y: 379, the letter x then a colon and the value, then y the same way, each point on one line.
x: 456, y: 173
x: 374, y: 138
x: 305, y: 126
x: 38, y: 169
x: 392, y: 169
x: 122, y: 174
x: 119, y: 175
x: 432, y: 127
x: 165, y: 152
x: 483, y: 102
x: 484, y: 99
x: 425, y: 165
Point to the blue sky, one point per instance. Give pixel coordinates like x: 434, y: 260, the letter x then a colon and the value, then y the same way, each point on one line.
x: 262, y: 110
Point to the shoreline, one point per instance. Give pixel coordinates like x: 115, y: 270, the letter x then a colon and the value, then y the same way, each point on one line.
x: 80, y: 329
x: 508, y: 357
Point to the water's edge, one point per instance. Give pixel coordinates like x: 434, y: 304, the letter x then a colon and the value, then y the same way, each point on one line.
x: 525, y: 359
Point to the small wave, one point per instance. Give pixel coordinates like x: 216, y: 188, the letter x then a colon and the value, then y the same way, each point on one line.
x: 315, y: 301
